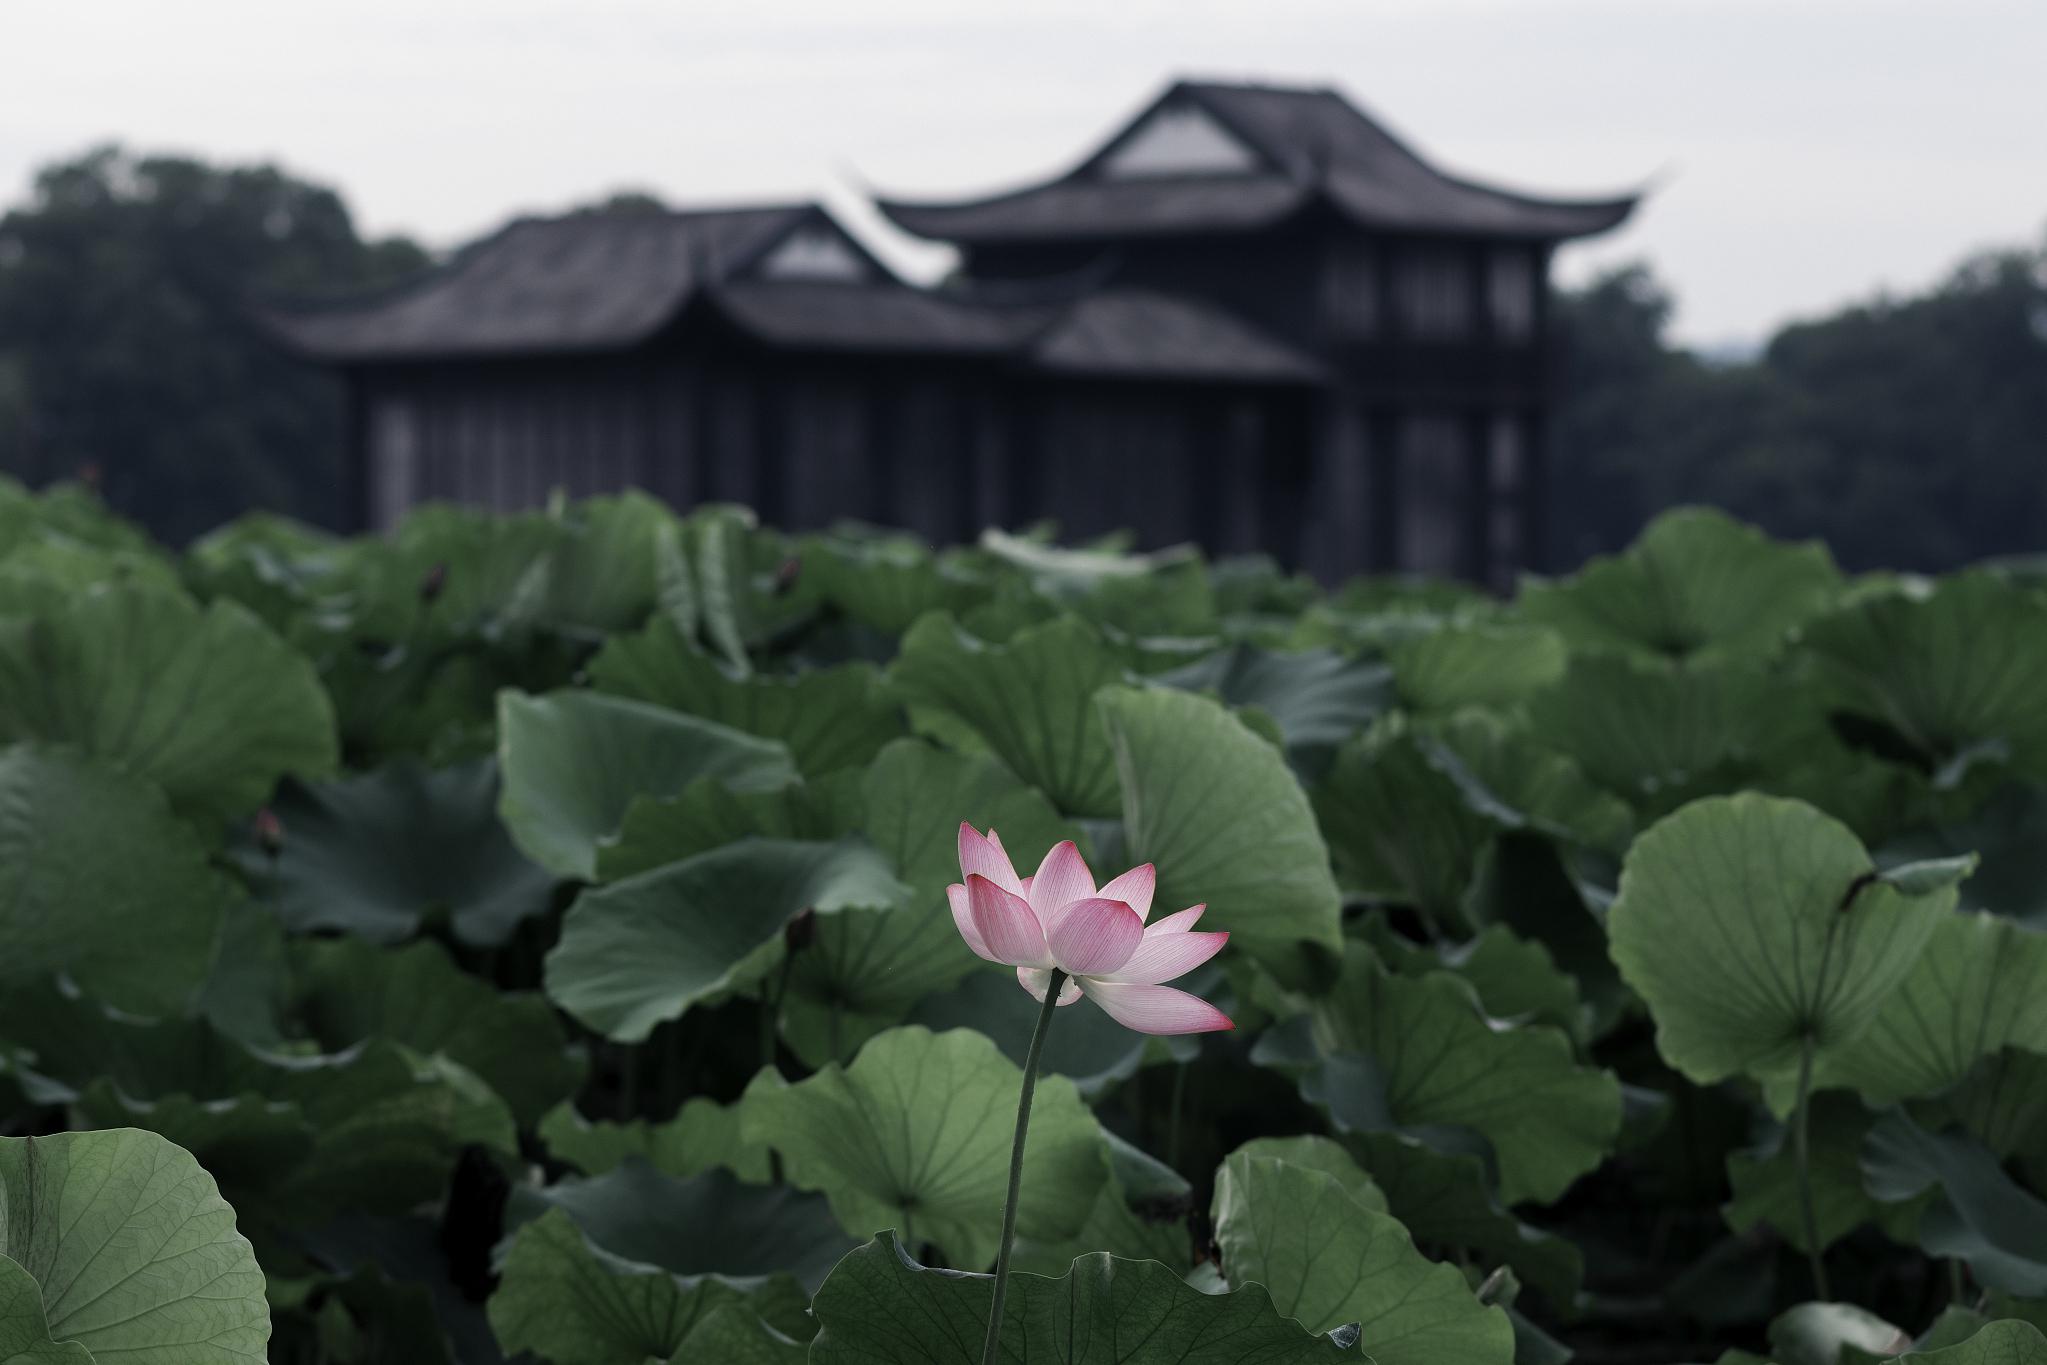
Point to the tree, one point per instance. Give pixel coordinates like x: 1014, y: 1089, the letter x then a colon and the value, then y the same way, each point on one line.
x: 1904, y: 432
x: 127, y: 353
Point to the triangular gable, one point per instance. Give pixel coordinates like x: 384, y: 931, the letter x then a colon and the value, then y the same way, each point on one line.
x: 1177, y: 139
x: 815, y: 251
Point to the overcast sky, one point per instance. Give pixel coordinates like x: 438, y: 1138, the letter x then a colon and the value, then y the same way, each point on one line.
x: 1803, y: 153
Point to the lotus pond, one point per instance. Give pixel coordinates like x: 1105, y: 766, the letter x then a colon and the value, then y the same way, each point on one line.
x: 575, y: 938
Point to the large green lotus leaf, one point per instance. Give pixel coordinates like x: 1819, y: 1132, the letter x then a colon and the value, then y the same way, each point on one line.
x: 707, y: 814
x: 1955, y: 670
x: 709, y: 1224
x: 1141, y: 1214
x: 1515, y: 979
x: 603, y: 574
x: 830, y: 719
x: 102, y: 882
x: 866, y: 972
x: 245, y: 993
x: 380, y: 854
x: 1319, y: 698
x: 573, y: 761
x: 1980, y: 984
x: 1398, y: 827
x: 1445, y: 1199
x: 478, y: 561
x: 297, y: 1137
x: 38, y: 576
x: 1475, y: 663
x: 1409, y: 808
x: 347, y: 990
x: 25, y: 1329
x: 1326, y: 1155
x: 886, y: 584
x: 1166, y: 593
x: 273, y: 565
x: 1999, y: 1343
x: 389, y: 1128
x: 1216, y: 809
x: 1030, y: 701
x: 1548, y: 1119
x: 915, y: 1135
x: 2003, y: 1102
x: 1750, y: 923
x: 208, y: 704
x: 640, y: 951
x: 1327, y: 1260
x: 720, y: 580
x: 1694, y: 583
x: 1659, y: 736
x: 1435, y: 1180
x: 134, y: 1250
x: 572, y: 1303
x: 734, y: 1334
x: 881, y: 1308
x: 702, y: 1135
x: 1978, y: 1213
x: 67, y: 509
x: 1501, y: 770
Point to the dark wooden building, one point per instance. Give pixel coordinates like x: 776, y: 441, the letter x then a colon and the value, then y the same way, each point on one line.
x: 1253, y: 319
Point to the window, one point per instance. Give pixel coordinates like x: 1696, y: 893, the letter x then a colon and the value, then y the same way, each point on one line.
x: 1510, y: 293
x: 814, y: 252
x: 1178, y: 140
x: 1432, y: 289
x: 1350, y: 289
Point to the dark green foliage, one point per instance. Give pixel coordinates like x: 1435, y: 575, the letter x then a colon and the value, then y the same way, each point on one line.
x: 1902, y: 432
x: 127, y: 349
x: 558, y: 964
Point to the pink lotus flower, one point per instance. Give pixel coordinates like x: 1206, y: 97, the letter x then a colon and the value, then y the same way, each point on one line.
x: 1056, y: 918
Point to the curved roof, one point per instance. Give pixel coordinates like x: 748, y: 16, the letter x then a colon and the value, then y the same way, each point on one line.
x: 585, y: 281
x: 1308, y: 145
x: 1111, y: 334
x: 597, y: 281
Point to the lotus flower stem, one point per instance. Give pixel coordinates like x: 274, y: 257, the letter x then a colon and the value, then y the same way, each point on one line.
x: 991, y: 1346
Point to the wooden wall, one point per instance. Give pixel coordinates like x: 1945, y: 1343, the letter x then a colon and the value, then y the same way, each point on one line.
x: 1329, y: 482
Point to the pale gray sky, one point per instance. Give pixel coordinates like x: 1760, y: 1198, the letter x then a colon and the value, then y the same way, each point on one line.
x: 1806, y: 152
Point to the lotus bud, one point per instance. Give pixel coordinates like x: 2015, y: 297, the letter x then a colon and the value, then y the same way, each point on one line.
x: 269, y: 831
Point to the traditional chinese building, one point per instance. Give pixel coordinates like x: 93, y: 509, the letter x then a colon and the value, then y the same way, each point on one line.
x: 1253, y: 319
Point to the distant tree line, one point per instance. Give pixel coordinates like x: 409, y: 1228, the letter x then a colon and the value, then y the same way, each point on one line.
x: 1909, y: 432
x: 126, y: 354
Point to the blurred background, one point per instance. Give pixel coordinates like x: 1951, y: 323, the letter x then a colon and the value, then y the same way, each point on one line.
x: 1464, y: 286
